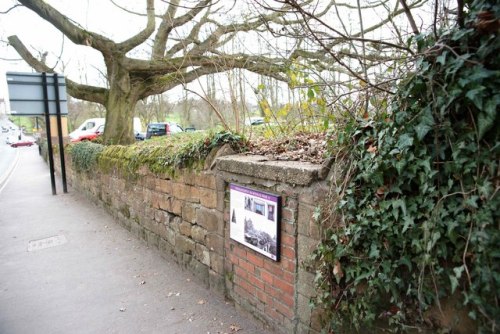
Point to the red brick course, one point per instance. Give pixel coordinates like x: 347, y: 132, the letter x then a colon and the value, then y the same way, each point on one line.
x: 268, y: 283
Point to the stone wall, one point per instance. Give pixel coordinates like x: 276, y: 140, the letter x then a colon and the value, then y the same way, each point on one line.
x: 186, y: 217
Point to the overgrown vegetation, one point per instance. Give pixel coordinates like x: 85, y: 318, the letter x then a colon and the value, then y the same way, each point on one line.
x: 84, y: 155
x: 159, y: 155
x: 418, y: 218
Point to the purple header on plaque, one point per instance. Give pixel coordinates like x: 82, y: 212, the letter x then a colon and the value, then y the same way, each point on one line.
x: 255, y: 193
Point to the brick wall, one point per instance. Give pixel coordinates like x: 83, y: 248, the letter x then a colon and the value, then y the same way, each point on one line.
x: 187, y: 218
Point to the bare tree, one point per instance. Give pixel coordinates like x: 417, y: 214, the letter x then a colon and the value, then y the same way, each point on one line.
x: 185, y: 45
x: 354, y: 49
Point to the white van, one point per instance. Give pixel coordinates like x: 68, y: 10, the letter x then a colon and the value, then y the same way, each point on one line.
x: 92, y: 124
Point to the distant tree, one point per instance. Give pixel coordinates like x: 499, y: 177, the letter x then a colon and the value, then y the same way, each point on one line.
x: 79, y: 111
x: 352, y: 51
x: 155, y: 108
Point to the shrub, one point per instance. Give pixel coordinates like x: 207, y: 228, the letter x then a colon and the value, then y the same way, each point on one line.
x: 420, y: 207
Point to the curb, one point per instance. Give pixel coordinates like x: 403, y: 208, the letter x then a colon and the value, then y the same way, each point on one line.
x: 4, y: 179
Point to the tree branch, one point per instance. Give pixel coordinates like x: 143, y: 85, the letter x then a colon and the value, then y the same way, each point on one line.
x: 142, y: 36
x: 76, y: 34
x: 410, y: 17
x: 79, y: 91
x: 170, y: 22
x: 190, y: 39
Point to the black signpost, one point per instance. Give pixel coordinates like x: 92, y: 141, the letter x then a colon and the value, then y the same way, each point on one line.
x: 59, y: 131
x: 30, y: 96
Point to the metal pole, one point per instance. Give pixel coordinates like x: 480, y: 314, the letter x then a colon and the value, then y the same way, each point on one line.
x: 49, y: 135
x: 59, y: 130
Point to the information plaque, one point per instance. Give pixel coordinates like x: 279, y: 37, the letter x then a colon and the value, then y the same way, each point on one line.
x: 255, y: 220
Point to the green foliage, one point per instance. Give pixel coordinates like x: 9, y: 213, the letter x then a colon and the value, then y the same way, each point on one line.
x: 307, y: 114
x: 166, y: 154
x: 420, y: 208
x: 84, y: 155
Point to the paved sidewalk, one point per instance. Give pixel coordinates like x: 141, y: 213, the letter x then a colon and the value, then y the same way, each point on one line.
x: 67, y: 267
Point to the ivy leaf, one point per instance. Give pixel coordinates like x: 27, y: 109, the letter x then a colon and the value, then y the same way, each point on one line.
x: 442, y: 58
x: 476, y: 96
x: 404, y: 141
x: 408, y: 221
x: 485, y: 188
x: 434, y: 238
x: 374, y: 252
x: 426, y: 123
x: 454, y: 283
x: 484, y: 123
x: 400, y: 165
x: 472, y: 202
x: 454, y: 279
x: 405, y: 261
x: 400, y: 203
x: 491, y: 106
x: 421, y: 130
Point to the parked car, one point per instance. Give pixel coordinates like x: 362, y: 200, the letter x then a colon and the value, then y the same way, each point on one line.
x: 91, y: 126
x: 23, y: 142
x: 140, y: 136
x: 89, y: 135
x: 255, y: 121
x: 162, y: 129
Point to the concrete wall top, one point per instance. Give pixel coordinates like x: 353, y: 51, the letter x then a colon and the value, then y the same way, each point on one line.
x: 291, y: 172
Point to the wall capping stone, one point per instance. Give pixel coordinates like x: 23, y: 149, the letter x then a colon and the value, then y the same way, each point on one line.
x: 291, y: 172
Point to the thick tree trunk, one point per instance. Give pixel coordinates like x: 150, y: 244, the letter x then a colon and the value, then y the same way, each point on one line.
x: 120, y: 106
x: 119, y: 121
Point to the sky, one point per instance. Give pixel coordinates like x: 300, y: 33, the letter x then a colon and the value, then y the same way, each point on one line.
x: 82, y: 64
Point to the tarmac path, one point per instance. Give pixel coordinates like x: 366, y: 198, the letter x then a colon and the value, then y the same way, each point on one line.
x: 67, y: 267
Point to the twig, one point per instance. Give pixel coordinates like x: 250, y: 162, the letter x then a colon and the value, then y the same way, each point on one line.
x: 11, y: 8
x: 434, y: 23
x: 217, y: 112
x: 410, y: 17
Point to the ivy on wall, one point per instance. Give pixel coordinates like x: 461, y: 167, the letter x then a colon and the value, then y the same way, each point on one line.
x: 420, y: 211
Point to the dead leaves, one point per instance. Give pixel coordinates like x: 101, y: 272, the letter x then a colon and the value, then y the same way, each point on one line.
x: 337, y: 270
x: 307, y: 147
x: 234, y: 328
x: 170, y: 294
x: 372, y: 149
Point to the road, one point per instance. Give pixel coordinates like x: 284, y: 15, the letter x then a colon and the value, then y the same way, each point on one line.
x: 8, y: 155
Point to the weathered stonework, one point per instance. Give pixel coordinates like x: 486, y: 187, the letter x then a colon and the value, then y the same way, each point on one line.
x: 187, y: 218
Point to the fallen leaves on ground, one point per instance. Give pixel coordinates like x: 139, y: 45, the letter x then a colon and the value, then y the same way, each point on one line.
x: 234, y: 328
x: 308, y: 147
x: 170, y: 294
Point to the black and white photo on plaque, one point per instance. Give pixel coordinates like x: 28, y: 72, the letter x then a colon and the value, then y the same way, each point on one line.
x: 255, y: 220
